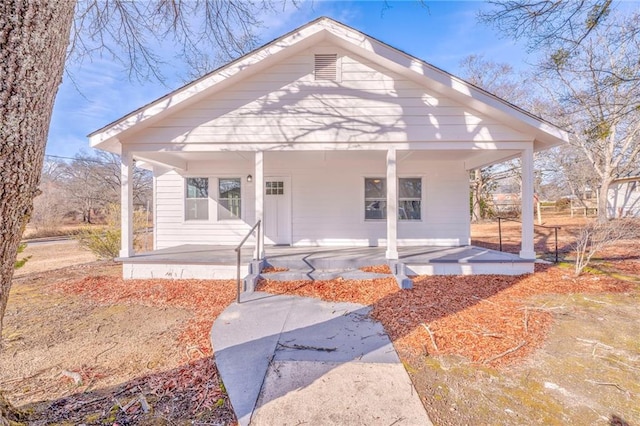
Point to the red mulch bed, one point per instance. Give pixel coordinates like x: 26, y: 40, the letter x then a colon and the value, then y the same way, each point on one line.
x: 377, y: 269
x: 272, y: 269
x: 206, y: 298
x: 478, y: 317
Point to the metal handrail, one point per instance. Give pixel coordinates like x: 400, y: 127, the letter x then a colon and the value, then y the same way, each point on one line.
x: 238, y: 250
x: 555, y: 231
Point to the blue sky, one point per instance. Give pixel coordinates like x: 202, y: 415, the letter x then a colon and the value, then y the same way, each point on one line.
x: 442, y: 33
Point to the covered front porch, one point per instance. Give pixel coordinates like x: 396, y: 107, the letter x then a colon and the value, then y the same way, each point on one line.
x: 351, y: 197
x: 203, y: 261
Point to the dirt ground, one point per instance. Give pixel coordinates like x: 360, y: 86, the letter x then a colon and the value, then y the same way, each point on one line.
x: 73, y: 359
x: 587, y: 372
x: 82, y: 346
x: 486, y: 234
x: 47, y: 256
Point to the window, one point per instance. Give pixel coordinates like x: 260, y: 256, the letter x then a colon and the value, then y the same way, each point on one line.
x: 375, y: 198
x: 275, y: 188
x: 229, y: 198
x: 197, y: 199
x: 409, y: 198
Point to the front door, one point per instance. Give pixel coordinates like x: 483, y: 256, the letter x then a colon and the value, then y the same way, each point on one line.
x: 277, y: 210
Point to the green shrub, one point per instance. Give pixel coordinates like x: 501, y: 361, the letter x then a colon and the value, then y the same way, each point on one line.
x: 104, y: 241
x: 20, y: 262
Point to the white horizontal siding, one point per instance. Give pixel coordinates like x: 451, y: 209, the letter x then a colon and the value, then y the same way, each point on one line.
x: 285, y: 104
x: 624, y: 200
x: 327, y: 202
x: 171, y: 228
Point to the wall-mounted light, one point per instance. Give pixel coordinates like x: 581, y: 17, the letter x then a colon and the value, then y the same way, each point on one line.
x: 249, y: 178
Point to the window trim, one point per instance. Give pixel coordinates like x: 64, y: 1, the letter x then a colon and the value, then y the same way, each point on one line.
x: 383, y: 219
x: 398, y: 199
x: 410, y: 198
x: 219, y: 198
x: 186, y: 197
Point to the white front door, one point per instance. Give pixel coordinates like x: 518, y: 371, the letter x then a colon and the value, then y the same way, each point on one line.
x: 277, y: 210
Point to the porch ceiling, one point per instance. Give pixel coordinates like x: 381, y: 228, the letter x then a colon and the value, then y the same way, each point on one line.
x: 471, y: 158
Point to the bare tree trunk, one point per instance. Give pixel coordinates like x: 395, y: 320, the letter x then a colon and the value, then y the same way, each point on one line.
x: 603, y: 193
x: 477, y: 195
x: 34, y: 36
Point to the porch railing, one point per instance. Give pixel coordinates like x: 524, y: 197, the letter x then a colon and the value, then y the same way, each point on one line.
x: 555, y: 232
x: 238, y: 250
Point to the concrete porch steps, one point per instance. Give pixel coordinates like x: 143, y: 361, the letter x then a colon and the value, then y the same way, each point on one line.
x: 321, y: 275
x: 321, y: 269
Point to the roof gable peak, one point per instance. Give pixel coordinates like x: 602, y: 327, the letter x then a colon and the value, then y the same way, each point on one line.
x: 324, y: 29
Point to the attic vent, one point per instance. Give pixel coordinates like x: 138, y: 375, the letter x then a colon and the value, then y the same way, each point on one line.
x: 326, y: 66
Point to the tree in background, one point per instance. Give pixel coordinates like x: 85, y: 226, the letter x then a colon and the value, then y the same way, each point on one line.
x: 81, y: 187
x: 596, y: 91
x: 37, y: 37
x: 501, y: 80
x: 482, y: 184
x: 591, y: 74
x: 93, y: 181
x: 547, y: 24
x: 50, y: 206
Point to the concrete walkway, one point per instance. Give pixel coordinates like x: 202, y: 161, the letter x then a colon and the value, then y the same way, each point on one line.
x: 291, y: 360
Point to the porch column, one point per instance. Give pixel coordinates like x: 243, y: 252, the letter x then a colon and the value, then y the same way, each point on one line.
x: 126, y: 203
x: 259, y: 201
x: 526, y: 199
x: 392, y: 205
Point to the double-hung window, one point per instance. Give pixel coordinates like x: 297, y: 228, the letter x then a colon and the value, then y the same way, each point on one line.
x: 197, y: 199
x: 229, y: 198
x: 375, y: 198
x: 409, y: 198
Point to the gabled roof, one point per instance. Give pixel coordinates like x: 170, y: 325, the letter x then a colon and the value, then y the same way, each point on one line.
x: 545, y: 134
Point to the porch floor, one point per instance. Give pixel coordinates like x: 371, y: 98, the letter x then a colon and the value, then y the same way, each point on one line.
x: 322, y: 257
x: 203, y: 261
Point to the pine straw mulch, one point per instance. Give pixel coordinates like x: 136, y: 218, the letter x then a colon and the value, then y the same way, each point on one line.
x: 272, y: 269
x: 377, y: 269
x: 191, y: 392
x: 487, y: 319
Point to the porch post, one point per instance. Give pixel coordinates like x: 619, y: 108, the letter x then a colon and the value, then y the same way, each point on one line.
x: 259, y: 200
x: 126, y: 203
x: 392, y: 205
x: 526, y: 199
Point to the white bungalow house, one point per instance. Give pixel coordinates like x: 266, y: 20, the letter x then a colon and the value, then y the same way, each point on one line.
x: 624, y: 196
x: 331, y: 139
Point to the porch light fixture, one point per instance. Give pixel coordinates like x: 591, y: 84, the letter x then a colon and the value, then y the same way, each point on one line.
x: 249, y: 178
